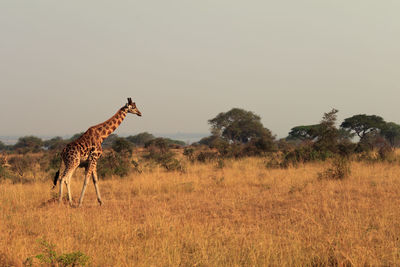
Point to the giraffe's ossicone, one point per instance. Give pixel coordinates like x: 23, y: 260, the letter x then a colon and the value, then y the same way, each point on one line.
x: 87, y: 148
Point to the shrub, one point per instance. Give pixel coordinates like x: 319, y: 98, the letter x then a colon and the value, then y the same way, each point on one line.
x: 113, y: 164
x: 54, y: 162
x: 189, y: 153
x: 210, y: 140
x: 51, y: 258
x: 274, y: 162
x: 207, y: 156
x: 5, y: 174
x: 159, y: 152
x: 346, y: 148
x: 164, y: 143
x: 386, y: 153
x: 165, y: 159
x: 122, y: 146
x: 339, y: 169
x: 160, y: 144
x: 23, y: 164
x: 173, y: 164
x: 284, y: 145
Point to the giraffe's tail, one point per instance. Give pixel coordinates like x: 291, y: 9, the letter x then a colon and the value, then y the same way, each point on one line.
x: 56, y: 179
x: 57, y: 176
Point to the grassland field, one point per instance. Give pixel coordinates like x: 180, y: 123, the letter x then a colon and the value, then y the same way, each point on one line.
x: 242, y: 214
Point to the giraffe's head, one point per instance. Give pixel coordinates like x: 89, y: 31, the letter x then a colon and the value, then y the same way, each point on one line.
x: 131, y: 106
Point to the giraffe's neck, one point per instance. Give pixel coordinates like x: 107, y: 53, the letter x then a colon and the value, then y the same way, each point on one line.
x: 106, y: 128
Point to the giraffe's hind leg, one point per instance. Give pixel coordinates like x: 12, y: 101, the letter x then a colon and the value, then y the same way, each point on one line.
x: 61, y: 189
x: 68, y: 184
x: 66, y: 178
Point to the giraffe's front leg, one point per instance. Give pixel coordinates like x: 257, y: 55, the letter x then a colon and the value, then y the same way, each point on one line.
x: 88, y: 172
x: 87, y: 176
x: 96, y: 186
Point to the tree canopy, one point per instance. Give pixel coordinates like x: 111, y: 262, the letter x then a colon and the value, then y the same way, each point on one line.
x: 328, y: 134
x: 304, y: 132
x: 55, y: 143
x: 122, y: 145
x: 29, y: 144
x: 140, y: 139
x: 363, y: 124
x: 239, y: 126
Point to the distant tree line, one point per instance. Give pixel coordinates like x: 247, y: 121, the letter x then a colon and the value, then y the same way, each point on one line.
x: 371, y: 131
x: 239, y: 132
x: 33, y: 144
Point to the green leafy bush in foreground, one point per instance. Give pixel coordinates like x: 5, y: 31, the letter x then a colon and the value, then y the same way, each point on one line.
x: 50, y: 257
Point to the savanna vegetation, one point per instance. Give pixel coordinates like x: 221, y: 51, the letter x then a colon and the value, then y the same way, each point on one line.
x: 323, y: 196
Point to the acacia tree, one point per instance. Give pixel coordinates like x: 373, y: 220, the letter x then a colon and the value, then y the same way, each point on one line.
x: 363, y: 124
x: 141, y: 139
x: 325, y: 136
x: 238, y: 126
x: 304, y: 132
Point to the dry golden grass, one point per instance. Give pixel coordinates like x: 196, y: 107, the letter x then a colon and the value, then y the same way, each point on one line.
x: 241, y: 215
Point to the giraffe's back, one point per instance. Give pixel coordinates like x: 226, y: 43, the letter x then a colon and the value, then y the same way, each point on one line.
x: 79, y: 150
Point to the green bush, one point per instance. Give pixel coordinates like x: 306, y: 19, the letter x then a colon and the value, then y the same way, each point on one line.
x: 304, y: 154
x: 160, y: 153
x: 346, y: 148
x: 113, y: 164
x: 50, y: 257
x: 122, y: 146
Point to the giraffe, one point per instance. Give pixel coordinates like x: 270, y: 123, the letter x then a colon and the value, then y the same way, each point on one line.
x: 87, y: 149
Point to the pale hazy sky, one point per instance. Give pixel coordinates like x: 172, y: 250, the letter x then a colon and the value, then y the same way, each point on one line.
x: 67, y: 65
